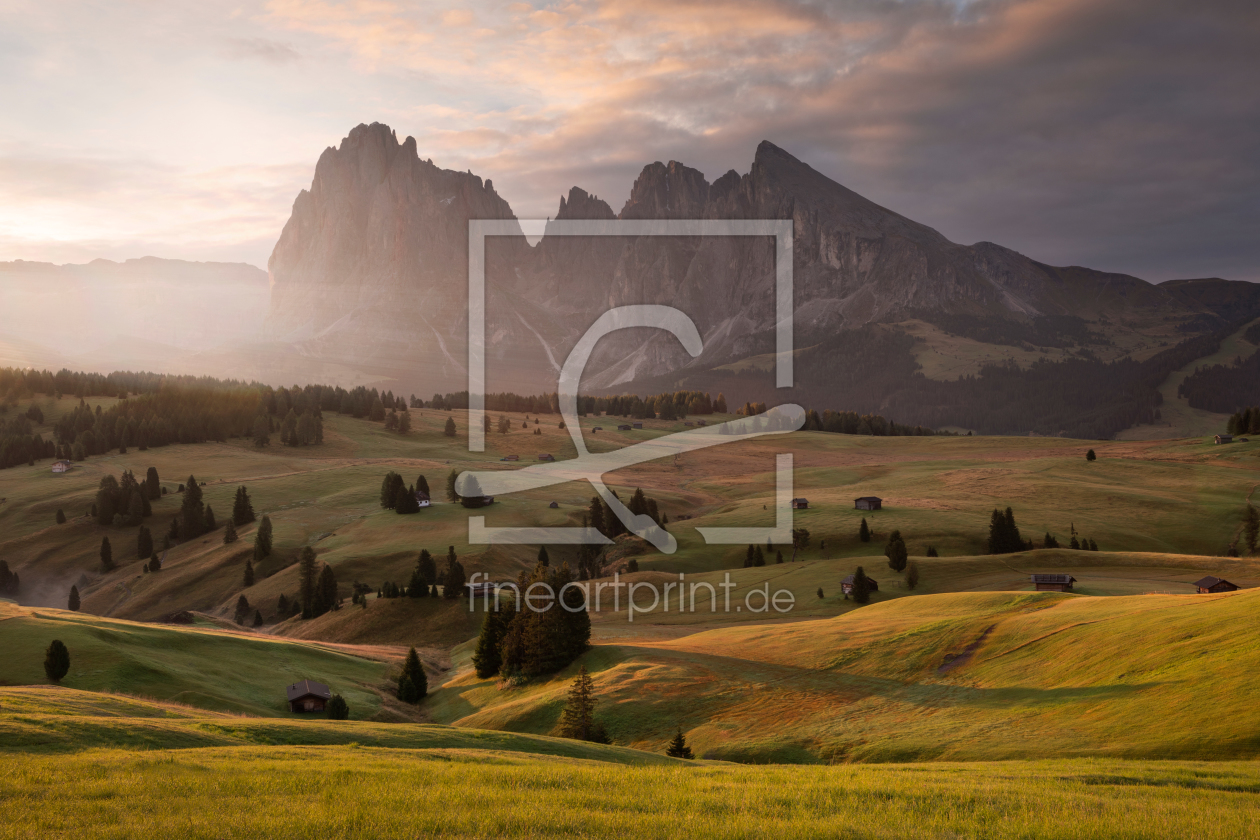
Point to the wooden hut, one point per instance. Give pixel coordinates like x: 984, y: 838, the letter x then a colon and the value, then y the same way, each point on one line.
x: 868, y: 503
x: 1212, y: 584
x: 1224, y: 439
x: 1053, y: 583
x: 308, y: 696
x: 546, y: 456
x: 846, y: 585
x: 800, y: 504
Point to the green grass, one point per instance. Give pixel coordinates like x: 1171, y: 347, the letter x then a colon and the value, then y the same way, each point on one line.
x: 365, y: 792
x: 221, y: 671
x: 969, y: 676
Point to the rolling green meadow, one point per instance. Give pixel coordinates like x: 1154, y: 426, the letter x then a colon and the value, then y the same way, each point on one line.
x: 968, y: 706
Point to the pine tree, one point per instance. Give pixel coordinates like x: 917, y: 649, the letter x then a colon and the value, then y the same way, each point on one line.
x: 778, y: 557
x: 107, y: 555
x: 864, y: 531
x: 451, y: 495
x: 242, y: 610
x: 229, y: 533
x: 912, y: 576
x: 61, y: 516
x: 896, y: 552
x: 73, y: 605
x: 932, y: 552
x: 262, y: 539
x: 249, y: 573
x: 486, y: 658
x: 192, y: 511
x: 820, y: 593
x: 759, y: 558
x: 308, y: 579
x: 391, y: 488
x: 543, y: 559
x: 413, y: 685
x: 1090, y: 456
x: 153, y: 484
x: 406, y: 501
x: 325, y: 591
x: 422, y: 486
x: 579, y: 710
x: 258, y: 619
x: 144, y: 542
x: 453, y: 579
x: 56, y: 660
x: 861, y: 586
x: 678, y: 747
x: 449, y: 429
x: 210, y: 524
x: 338, y: 708
x: 155, y: 564
x: 242, y: 507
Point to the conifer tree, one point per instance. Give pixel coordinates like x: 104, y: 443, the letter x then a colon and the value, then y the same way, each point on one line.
x: 759, y: 558
x: 61, y: 516
x: 391, y: 488
x: 778, y: 557
x: 56, y: 661
x: 413, y: 685
x: 451, y: 495
x: 107, y: 555
x: 912, y: 576
x: 262, y: 539
x: 258, y: 619
x: 153, y: 484
x: 896, y: 552
x: 406, y: 501
x: 155, y: 564
x: 73, y: 604
x: 543, y: 559
x: 144, y: 542
x: 864, y: 531
x: 579, y: 710
x: 749, y: 556
x: 820, y: 593
x: 192, y: 511
x: 486, y: 658
x: 209, y: 523
x: 308, y: 580
x: 678, y: 747
x: 326, y: 591
x: 449, y: 429
x: 249, y: 573
x: 338, y: 708
x: 453, y: 579
x: 1090, y: 456
x: 1075, y: 544
x: 229, y: 533
x: 422, y: 486
x: 242, y: 508
x: 242, y: 610
x: 861, y: 586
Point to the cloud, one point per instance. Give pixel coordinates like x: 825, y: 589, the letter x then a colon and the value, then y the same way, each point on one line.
x: 261, y: 49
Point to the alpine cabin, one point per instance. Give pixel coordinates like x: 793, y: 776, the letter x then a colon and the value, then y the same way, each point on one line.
x: 1053, y: 583
x: 308, y: 696
x: 1212, y: 584
x: 868, y: 503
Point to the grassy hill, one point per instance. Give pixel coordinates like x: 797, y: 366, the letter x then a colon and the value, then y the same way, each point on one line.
x: 968, y: 676
x: 242, y: 673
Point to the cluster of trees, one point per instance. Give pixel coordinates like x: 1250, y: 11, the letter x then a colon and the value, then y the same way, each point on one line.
x: 672, y: 405
x: 1245, y: 422
x: 522, y: 641
x: 1004, y: 535
x: 242, y: 612
x: 399, y: 497
x: 9, y: 580
x: 756, y: 556
x: 852, y: 423
x: 317, y: 585
x: 425, y: 580
x: 413, y: 685
x: 861, y: 591
x: 20, y: 444
x: 126, y: 501
x: 1223, y: 388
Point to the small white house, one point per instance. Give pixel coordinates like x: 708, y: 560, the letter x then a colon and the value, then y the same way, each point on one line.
x: 422, y: 499
x: 61, y: 466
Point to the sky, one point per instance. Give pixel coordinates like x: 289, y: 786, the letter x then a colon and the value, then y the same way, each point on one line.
x: 1118, y: 134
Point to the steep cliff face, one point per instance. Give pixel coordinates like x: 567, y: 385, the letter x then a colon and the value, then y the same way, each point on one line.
x: 372, y: 269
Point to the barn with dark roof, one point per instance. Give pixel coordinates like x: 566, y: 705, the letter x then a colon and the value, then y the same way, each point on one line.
x: 1214, y: 584
x: 308, y: 696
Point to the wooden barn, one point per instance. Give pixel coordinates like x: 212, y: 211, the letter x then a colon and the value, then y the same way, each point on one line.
x: 308, y: 696
x: 546, y: 456
x: 624, y: 427
x: 846, y: 585
x: 1224, y: 439
x: 1053, y: 583
x: 1211, y: 584
x: 868, y: 503
x: 510, y: 458
x: 800, y: 504
x: 554, y: 505
x: 638, y: 425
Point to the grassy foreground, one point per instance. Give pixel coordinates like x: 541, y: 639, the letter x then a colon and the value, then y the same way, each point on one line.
x: 365, y: 792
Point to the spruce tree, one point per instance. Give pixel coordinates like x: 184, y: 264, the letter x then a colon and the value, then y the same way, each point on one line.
x: 242, y: 610
x: 325, y: 591
x: 422, y: 486
x: 229, y: 533
x: 579, y: 710
x: 210, y: 524
x: 308, y: 580
x: 56, y: 660
x: 155, y: 564
x: 73, y: 604
x: 1090, y: 456
x: 820, y: 593
x: 413, y: 685
x: 864, y: 531
x: 391, y: 487
x: 192, y: 511
x: 452, y: 495
x: 338, y: 708
x: 759, y: 557
x: 153, y: 484
x: 61, y: 516
x: 242, y: 507
x: 107, y: 555
x: 896, y: 552
x: 262, y: 538
x: 486, y: 658
x: 249, y: 573
x: 678, y: 747
x: 426, y: 567
x: 258, y: 619
x: 453, y: 579
x: 543, y: 559
x: 144, y: 542
x: 932, y: 552
x: 405, y: 501
x: 861, y: 586
x: 912, y: 576
x: 449, y: 430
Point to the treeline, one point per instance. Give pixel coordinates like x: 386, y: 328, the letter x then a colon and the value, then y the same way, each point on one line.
x: 1223, y: 388
x: 666, y: 406
x: 1042, y: 331
x: 1245, y: 422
